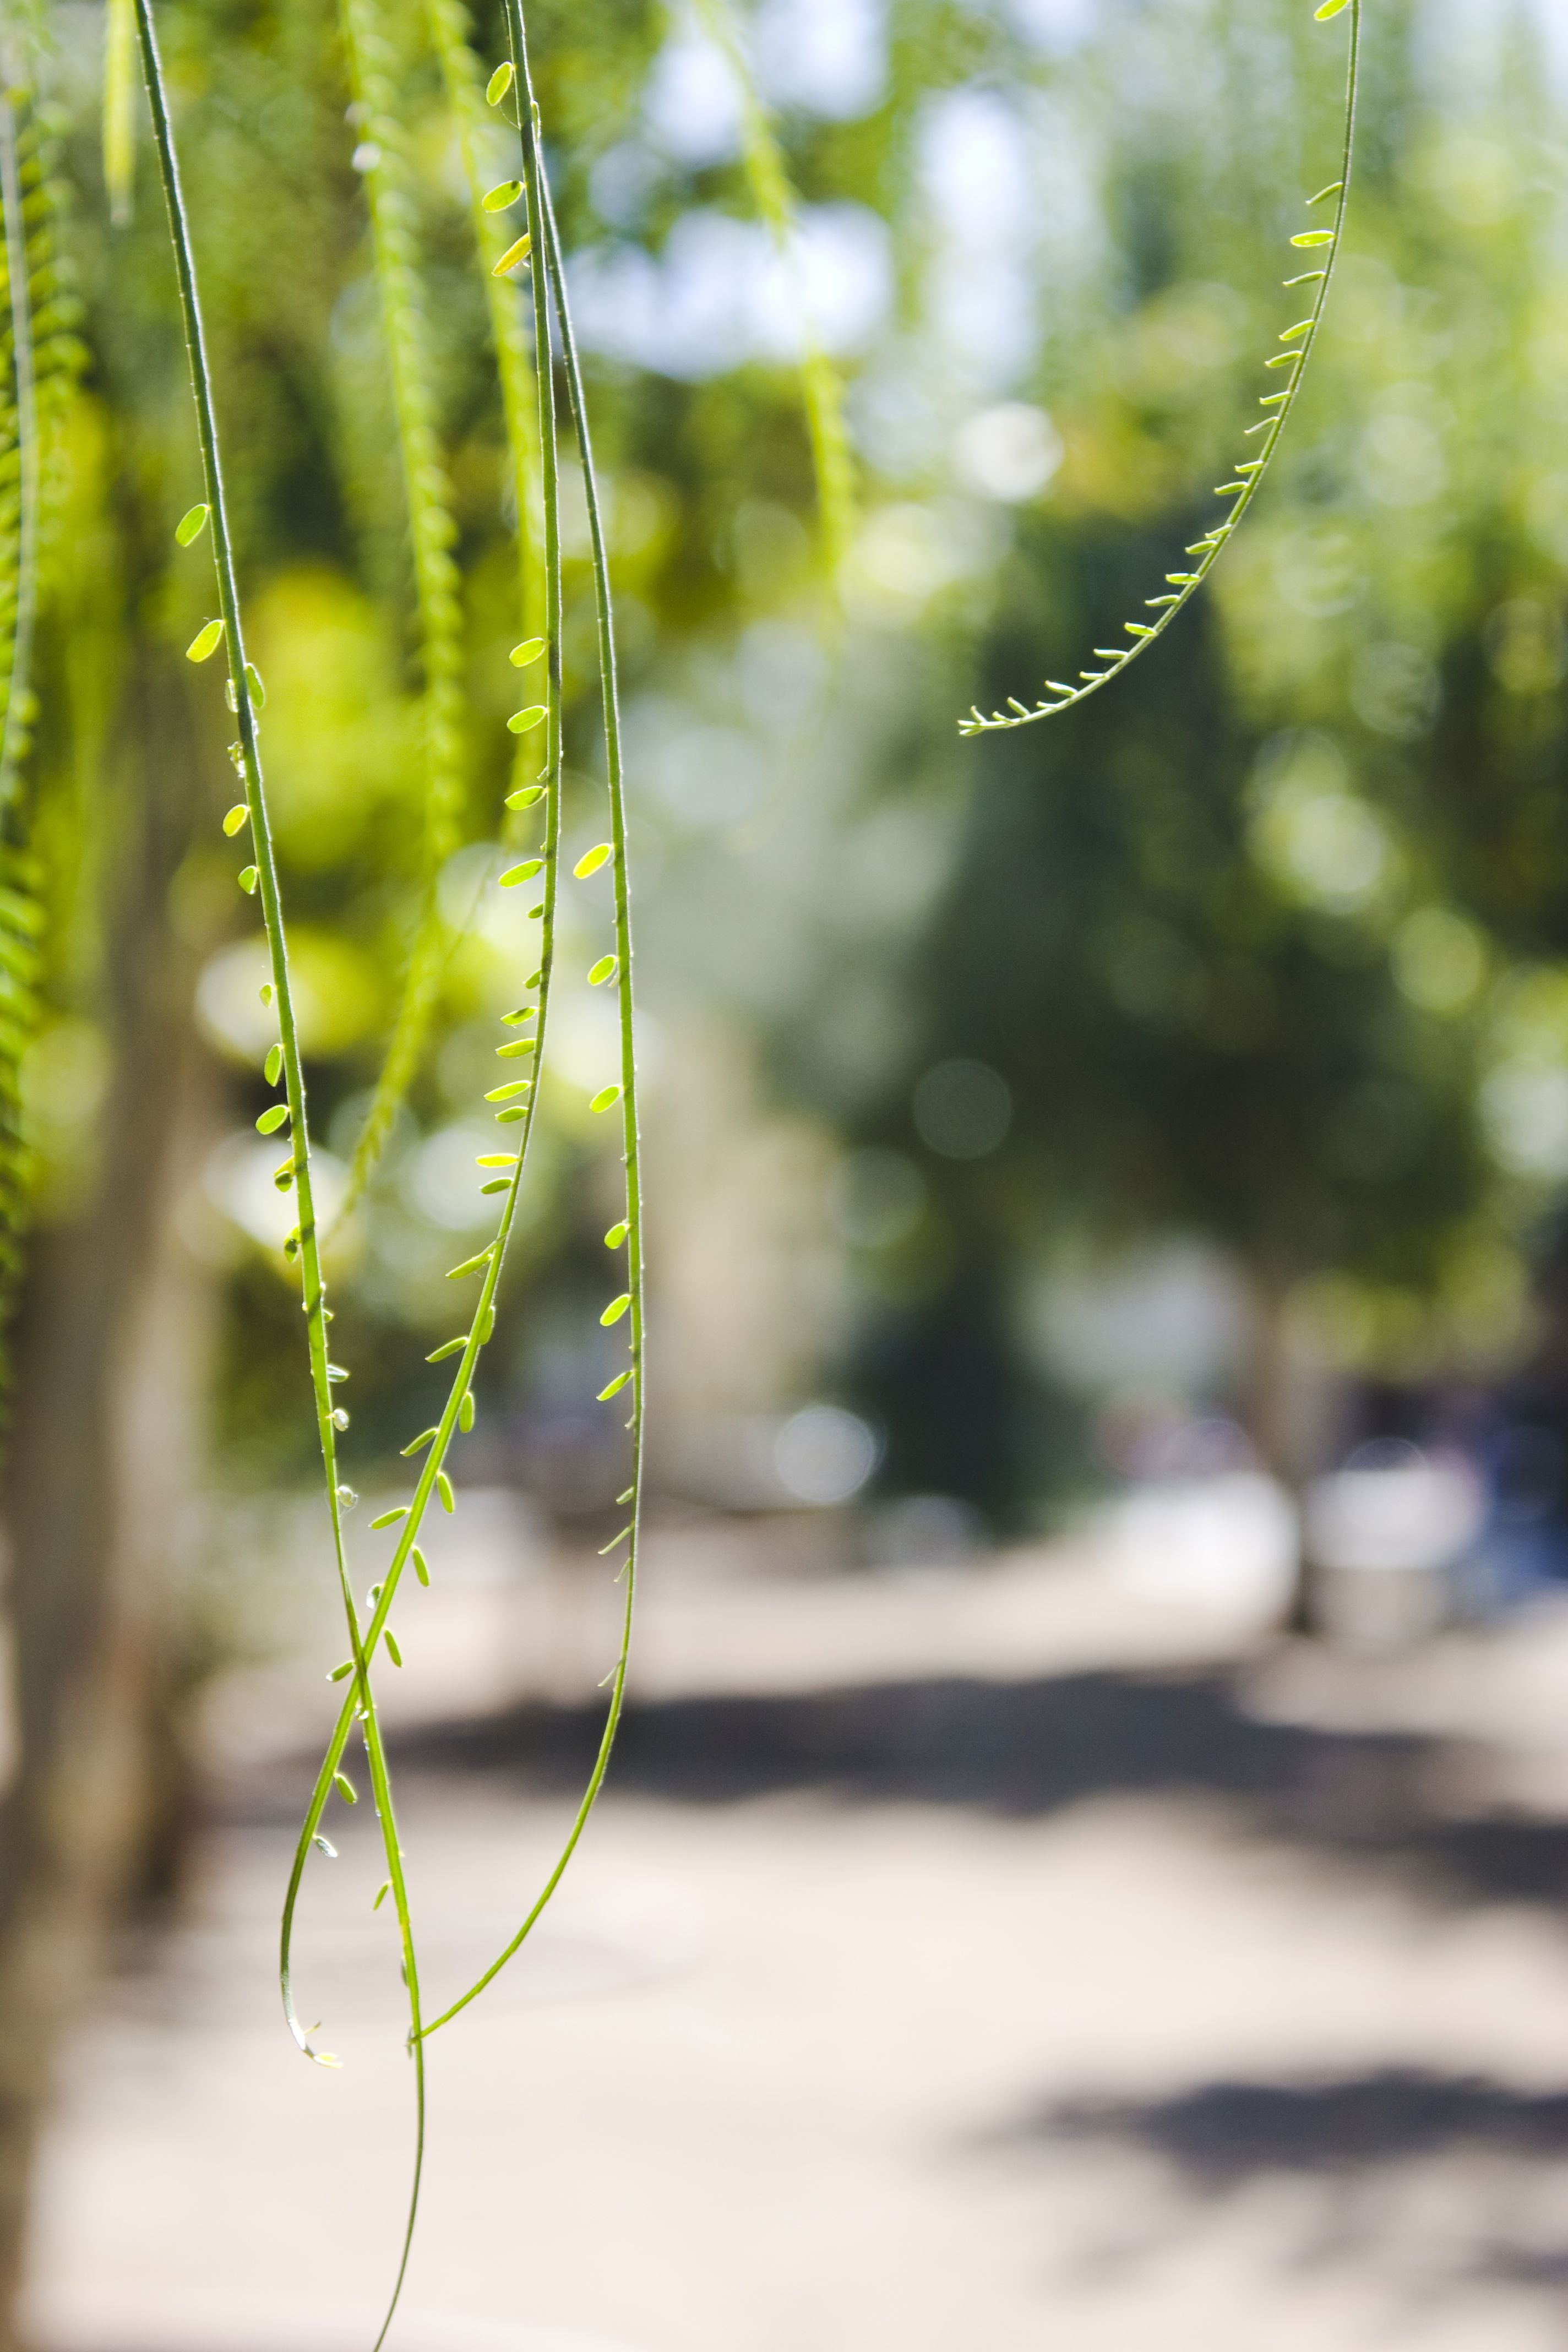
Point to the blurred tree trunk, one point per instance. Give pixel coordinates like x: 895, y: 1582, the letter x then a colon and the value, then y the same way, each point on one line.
x: 102, y: 1457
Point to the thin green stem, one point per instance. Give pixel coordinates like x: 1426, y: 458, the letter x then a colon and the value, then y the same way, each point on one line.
x: 373, y: 77
x: 18, y: 681
x: 380, y: 1789
x: 483, y: 1320
x: 1299, y: 342
x: 542, y: 213
x: 19, y: 912
x: 493, y: 234
x: 313, y: 1288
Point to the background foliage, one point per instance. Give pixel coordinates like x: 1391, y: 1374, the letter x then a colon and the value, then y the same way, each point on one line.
x: 1265, y: 948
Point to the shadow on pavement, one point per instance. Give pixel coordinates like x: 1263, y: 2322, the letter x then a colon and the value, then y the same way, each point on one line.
x: 1221, y: 2134
x: 1021, y: 1750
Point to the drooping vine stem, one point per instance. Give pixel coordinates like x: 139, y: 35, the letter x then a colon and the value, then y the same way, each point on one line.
x: 45, y: 358
x: 19, y: 913
x: 1298, y: 341
x: 519, y: 1099
x: 630, y: 1230
x: 821, y: 390
x: 436, y: 588
x: 285, y: 1059
x: 488, y: 207
x: 23, y: 600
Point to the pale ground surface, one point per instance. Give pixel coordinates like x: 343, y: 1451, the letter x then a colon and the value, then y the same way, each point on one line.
x: 1014, y: 1959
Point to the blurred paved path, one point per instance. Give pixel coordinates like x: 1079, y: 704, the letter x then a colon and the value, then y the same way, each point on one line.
x: 1006, y: 1962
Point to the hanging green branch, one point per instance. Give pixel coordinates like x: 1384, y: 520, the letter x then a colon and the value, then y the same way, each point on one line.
x: 383, y: 153
x: 20, y: 916
x: 1298, y: 341
x: 43, y: 359
x: 517, y: 1096
x: 283, y: 1060
x: 627, y: 1231
x: 492, y: 215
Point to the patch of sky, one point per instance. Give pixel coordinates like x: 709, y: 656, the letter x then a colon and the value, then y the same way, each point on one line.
x: 691, y: 103
x: 975, y: 167
x: 827, y: 58
x: 720, y: 293
x: 1056, y: 27
x: 1462, y: 47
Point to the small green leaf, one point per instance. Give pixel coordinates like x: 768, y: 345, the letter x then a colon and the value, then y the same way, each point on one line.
x: 616, y: 1385
x: 381, y: 1891
x: 528, y: 651
x: 271, y: 1121
x: 1314, y: 236
x: 526, y: 798
x: 524, y: 873
x: 591, y: 860
x: 258, y: 691
x: 616, y: 1309
x: 339, y: 1671
x: 1329, y: 8
x: 266, y: 991
x: 514, y: 255
x: 496, y: 1159
x: 452, y: 1348
x: 605, y: 1096
x: 507, y: 1117
x: 504, y: 1094
x: 1332, y: 190
x: 206, y: 642
x: 497, y: 1184
x: 236, y: 817
x: 390, y: 1519
x: 248, y: 878
x: 605, y: 968
x: 466, y: 1412
x: 1301, y: 327
x: 426, y: 1434
x: 192, y: 524
x: 521, y: 721
x: 514, y: 1046
x: 443, y: 1488
x: 617, y: 1235
x: 499, y: 84
x: 496, y: 200
x: 469, y: 1265
x: 614, y: 1541
x: 519, y: 1014
x: 392, y: 1652
x: 274, y: 1063
x: 345, y: 1787
x: 420, y: 1570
